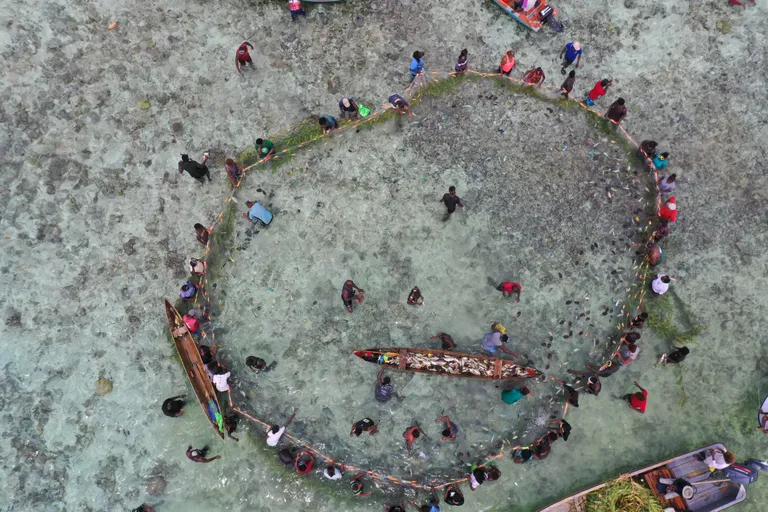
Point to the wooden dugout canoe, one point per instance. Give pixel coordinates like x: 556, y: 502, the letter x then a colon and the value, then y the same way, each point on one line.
x: 452, y: 364
x: 707, y: 497
x: 194, y: 367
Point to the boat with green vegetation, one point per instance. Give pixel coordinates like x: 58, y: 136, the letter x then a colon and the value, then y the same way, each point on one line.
x: 637, y: 491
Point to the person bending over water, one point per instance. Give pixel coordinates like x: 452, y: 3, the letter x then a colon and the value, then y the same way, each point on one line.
x: 332, y: 473
x: 230, y: 424
x: 448, y: 343
x: 174, y: 406
x: 453, y: 496
x: 199, y: 455
x: 677, y: 356
x: 287, y: 455
x: 349, y: 294
x: 571, y: 394
x: 384, y: 388
x: 592, y: 385
x: 411, y: 434
x: 275, y: 432
x: 201, y: 234
x: 400, y: 507
x: 638, y: 321
x: 356, y: 484
x: 508, y: 288
x: 415, y: 298
x: 481, y: 475
x: 450, y: 430
x: 305, y: 462
x: 432, y: 506
x: 364, y: 425
x: 258, y: 365
x: 637, y: 401
x: 495, y: 340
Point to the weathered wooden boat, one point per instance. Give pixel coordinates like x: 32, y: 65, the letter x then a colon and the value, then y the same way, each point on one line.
x: 707, y: 497
x: 452, y: 364
x: 535, y: 17
x: 194, y: 367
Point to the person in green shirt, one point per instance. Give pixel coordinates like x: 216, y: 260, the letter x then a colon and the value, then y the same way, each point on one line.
x: 265, y: 148
x: 510, y: 396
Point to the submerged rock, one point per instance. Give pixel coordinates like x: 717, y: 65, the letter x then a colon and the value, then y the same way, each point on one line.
x: 103, y: 386
x: 156, y: 485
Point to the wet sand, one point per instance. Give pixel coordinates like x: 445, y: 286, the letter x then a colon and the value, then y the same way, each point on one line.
x: 96, y: 227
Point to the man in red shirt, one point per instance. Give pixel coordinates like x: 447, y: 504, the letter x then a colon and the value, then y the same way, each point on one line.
x: 507, y: 288
x: 637, y: 401
x: 242, y: 56
x: 191, y: 320
x: 597, y: 91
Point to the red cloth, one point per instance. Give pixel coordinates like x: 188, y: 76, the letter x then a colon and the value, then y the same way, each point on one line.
x: 192, y: 324
x: 242, y: 53
x: 510, y: 286
x: 596, y: 91
x: 667, y: 213
x: 637, y: 404
x: 294, y: 5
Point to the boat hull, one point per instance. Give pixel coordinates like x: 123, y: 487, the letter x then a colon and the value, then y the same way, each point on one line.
x: 451, y: 364
x: 194, y: 368
x: 530, y: 20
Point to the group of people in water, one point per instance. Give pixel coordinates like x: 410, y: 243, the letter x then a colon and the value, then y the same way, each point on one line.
x: 589, y: 382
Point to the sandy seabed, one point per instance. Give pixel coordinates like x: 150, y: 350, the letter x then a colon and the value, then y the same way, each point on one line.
x: 96, y: 227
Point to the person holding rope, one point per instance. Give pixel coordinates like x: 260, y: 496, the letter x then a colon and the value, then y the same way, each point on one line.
x: 348, y: 108
x: 462, y: 63
x: 202, y: 234
x: 597, y: 91
x: 399, y: 104
x: 305, y: 462
x: 275, y: 432
x: 356, y: 484
x: 384, y: 389
x: 617, y: 111
x: 571, y: 394
x: 560, y: 427
x: 507, y: 63
x: 417, y: 65
x: 592, y: 385
x: 199, y: 171
x: 230, y: 424
x: 265, y: 148
x: 481, y: 475
x: 567, y: 86
x: 522, y: 455
x: 332, y: 473
x: 534, y: 76
x: 638, y: 321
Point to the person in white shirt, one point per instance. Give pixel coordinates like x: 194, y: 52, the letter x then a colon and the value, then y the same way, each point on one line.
x: 717, y: 459
x: 660, y: 285
x: 220, y: 377
x: 275, y: 432
x: 332, y: 473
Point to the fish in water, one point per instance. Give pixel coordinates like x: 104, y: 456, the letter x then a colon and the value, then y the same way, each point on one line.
x: 518, y: 314
x: 570, y: 323
x: 559, y: 274
x: 568, y: 301
x: 549, y: 356
x: 562, y: 322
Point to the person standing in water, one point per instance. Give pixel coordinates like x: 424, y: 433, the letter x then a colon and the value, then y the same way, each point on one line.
x: 567, y: 86
x: 348, y: 108
x: 202, y: 234
x: 451, y: 200
x: 415, y: 298
x: 410, y: 435
x: 196, y: 455
x: 511, y: 396
x: 432, y: 506
x: 637, y: 401
x: 174, y: 407
x: 349, y: 294
x: 275, y: 432
x: 572, y: 51
x: 453, y: 495
x: 230, y: 424
x: 265, y: 148
x: 447, y: 341
x: 462, y: 63
x: 199, y: 171
x: 507, y: 63
x: 592, y: 385
x: 357, y: 486
x: 450, y: 430
x: 417, y: 65
x: 332, y: 473
x: 508, y: 288
x: 364, y: 425
x: 384, y: 388
x: 243, y: 56
x: 677, y: 356
x: 493, y: 341
x: 638, y: 321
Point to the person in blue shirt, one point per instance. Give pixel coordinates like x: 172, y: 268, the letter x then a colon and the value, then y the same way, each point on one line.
x: 572, y: 52
x: 258, y: 214
x: 417, y: 64
x: 660, y: 160
x: 328, y: 122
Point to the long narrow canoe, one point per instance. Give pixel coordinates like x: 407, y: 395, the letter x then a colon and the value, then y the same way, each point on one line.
x: 452, y: 364
x: 195, y: 369
x: 531, y: 18
x: 707, y: 497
